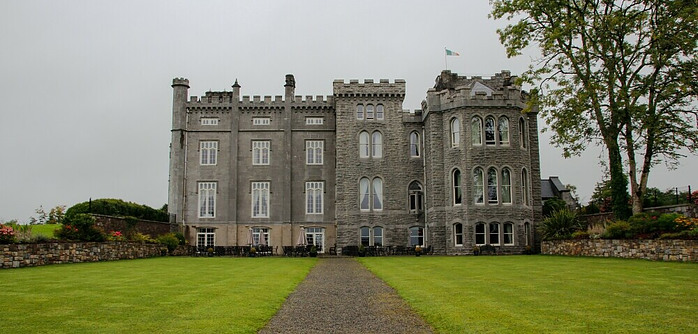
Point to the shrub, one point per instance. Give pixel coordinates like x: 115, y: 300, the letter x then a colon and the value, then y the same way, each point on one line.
x: 80, y: 227
x: 181, y: 238
x: 560, y: 225
x: 169, y: 240
x: 119, y: 208
x: 7, y: 234
x: 553, y: 204
x: 140, y: 237
x: 617, y: 230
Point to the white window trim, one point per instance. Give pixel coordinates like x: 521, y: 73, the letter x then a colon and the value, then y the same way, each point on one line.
x: 453, y: 186
x: 312, y: 190
x: 314, y: 150
x: 380, y: 115
x: 210, y: 148
x: 207, y: 199
x: 502, y: 185
x: 495, y: 186
x: 261, y: 120
x: 499, y: 233
x: 205, y: 233
x: 456, y: 234
x: 513, y: 234
x: 312, y: 120
x: 209, y: 121
x: 455, y: 132
x: 503, y: 140
x: 261, y: 191
x: 416, y: 144
x: 261, y: 146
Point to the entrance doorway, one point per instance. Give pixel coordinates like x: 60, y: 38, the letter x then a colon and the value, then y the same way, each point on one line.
x: 316, y: 236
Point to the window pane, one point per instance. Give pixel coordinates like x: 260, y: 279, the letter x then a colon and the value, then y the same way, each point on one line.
x: 455, y: 132
x: 378, y: 236
x: 478, y: 184
x: 508, y: 234
x: 503, y: 128
x: 364, y: 194
x: 377, y: 194
x: 480, y: 234
x: 365, y: 237
x: 457, y: 190
x: 492, y: 185
x: 363, y: 144
x: 369, y: 111
x: 523, y: 138
x: 477, y: 131
x: 494, y: 233
x: 379, y: 112
x: 360, y: 111
x: 414, y: 144
x: 377, y: 145
x: 458, y: 233
x: 416, y: 236
x: 489, y: 131
x: 506, y: 185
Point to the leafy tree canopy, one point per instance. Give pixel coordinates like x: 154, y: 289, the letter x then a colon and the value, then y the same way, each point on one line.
x: 615, y: 72
x: 119, y: 208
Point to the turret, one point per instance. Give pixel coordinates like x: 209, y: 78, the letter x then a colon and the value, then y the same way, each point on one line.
x: 236, y: 91
x: 290, y: 87
x: 179, y: 100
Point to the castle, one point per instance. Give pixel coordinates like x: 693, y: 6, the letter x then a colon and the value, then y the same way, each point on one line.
x: 355, y: 169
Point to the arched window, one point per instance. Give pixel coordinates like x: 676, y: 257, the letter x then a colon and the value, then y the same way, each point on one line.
x: 377, y: 192
x: 478, y: 186
x: 508, y: 233
x: 369, y: 111
x: 494, y: 234
x: 364, y: 195
x: 503, y: 131
x: 378, y: 236
x: 480, y: 234
x: 458, y: 234
x: 457, y: 189
x: 455, y: 132
x: 492, y: 186
x: 525, y: 198
x: 377, y: 145
x: 360, y: 112
x: 523, y: 138
x: 489, y: 130
x: 415, y: 192
x: 365, y: 235
x: 363, y: 144
x: 476, y: 130
x: 506, y: 186
x: 414, y: 144
x: 416, y: 236
x: 380, y: 113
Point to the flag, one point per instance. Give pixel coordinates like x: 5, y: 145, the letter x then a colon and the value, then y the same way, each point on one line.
x: 452, y: 53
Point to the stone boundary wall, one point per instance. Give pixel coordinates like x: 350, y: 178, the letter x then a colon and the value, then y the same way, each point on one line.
x: 660, y: 250
x: 149, y: 227
x: 33, y: 255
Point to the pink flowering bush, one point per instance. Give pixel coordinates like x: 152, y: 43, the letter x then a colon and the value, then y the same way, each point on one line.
x: 116, y: 236
x: 7, y: 234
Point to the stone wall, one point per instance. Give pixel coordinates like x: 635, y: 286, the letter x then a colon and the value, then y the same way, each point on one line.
x: 33, y: 255
x: 664, y: 250
x: 149, y: 227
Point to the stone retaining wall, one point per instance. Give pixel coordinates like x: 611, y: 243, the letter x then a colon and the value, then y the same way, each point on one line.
x: 662, y: 250
x: 32, y: 255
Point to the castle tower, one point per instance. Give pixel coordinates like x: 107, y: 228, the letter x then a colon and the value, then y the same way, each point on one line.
x: 180, y: 95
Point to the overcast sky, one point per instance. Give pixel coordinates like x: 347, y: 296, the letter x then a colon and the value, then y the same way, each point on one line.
x: 85, y: 85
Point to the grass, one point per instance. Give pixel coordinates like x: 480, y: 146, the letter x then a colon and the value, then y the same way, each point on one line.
x: 535, y: 294
x: 159, y: 295
x: 45, y: 229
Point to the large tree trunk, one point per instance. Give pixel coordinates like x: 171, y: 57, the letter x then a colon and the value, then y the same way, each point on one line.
x: 619, y: 185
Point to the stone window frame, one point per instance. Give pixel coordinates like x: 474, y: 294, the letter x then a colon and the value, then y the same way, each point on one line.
x: 523, y: 134
x: 370, y: 193
x: 209, y: 121
x: 416, y: 197
x: 208, y: 152
x: 455, y: 130
x: 419, y: 236
x: 527, y: 233
x: 481, y: 231
x: 506, y: 188
x: 490, y: 131
x: 370, y: 112
x: 371, y: 144
x: 260, y: 149
x: 207, y: 235
x: 360, y: 112
x: 366, y: 236
x: 494, y: 229
x: 525, y: 187
x: 260, y: 190
x: 374, y: 236
x: 511, y: 234
x: 377, y: 144
x: 313, y: 189
x: 476, y: 131
x: 456, y: 188
x: 492, y: 185
x: 207, y: 191
x: 458, y: 236
x: 380, y: 112
x: 503, y: 131
x: 415, y: 144
x: 314, y: 120
x: 314, y: 152
x: 479, y: 185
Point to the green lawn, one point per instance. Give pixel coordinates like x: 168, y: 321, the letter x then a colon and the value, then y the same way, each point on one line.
x: 45, y: 229
x: 159, y: 295
x: 545, y: 294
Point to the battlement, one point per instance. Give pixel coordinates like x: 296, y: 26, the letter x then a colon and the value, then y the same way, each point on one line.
x: 454, y: 90
x: 449, y: 80
x: 180, y: 82
x: 369, y: 87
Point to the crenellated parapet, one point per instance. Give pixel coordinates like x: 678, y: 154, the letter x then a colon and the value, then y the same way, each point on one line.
x: 369, y: 88
x: 453, y: 91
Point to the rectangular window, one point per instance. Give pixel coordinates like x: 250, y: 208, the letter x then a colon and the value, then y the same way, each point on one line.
x: 480, y: 234
x: 261, y: 121
x: 260, y: 236
x: 207, y: 199
x: 508, y: 234
x: 314, y: 120
x: 458, y: 234
x: 313, y: 197
x: 209, y: 121
x: 208, y: 151
x: 494, y: 234
x: 260, y: 199
x: 205, y: 237
x: 365, y: 236
x: 313, y: 152
x: 260, y: 152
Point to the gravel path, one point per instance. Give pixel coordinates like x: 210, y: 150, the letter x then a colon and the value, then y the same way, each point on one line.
x: 339, y: 295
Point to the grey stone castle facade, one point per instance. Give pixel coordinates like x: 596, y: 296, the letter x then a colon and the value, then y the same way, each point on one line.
x: 354, y: 168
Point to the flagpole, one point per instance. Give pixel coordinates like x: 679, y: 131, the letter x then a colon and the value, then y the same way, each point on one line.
x: 445, y: 58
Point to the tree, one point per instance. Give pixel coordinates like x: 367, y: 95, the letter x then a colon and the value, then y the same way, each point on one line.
x: 615, y: 72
